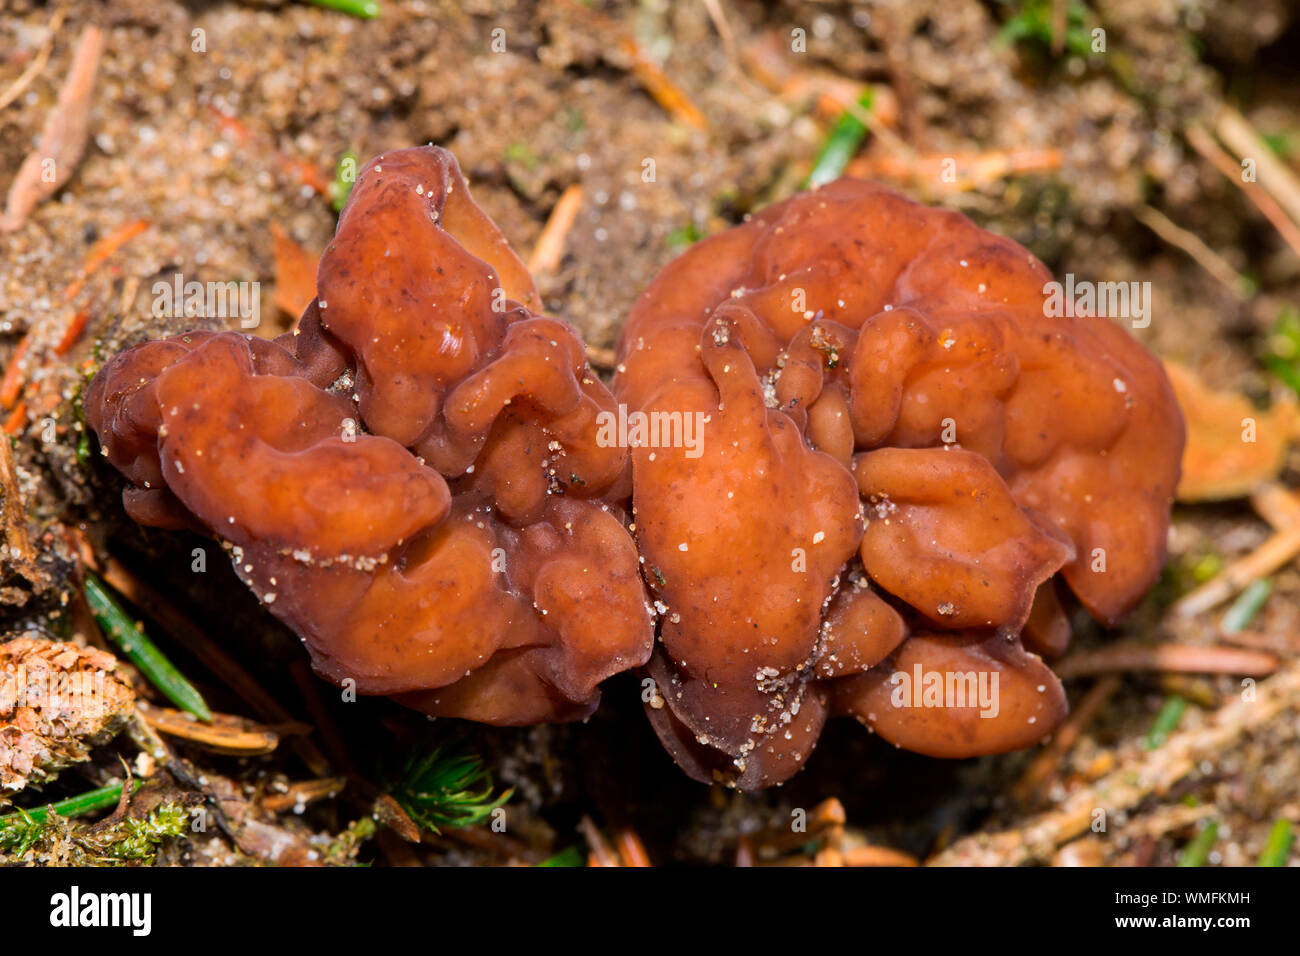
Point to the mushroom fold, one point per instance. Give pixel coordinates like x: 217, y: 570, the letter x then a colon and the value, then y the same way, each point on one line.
x: 411, y: 481
x: 865, y: 465
x: 902, y: 449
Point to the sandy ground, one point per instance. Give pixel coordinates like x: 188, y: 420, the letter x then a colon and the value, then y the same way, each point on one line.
x: 213, y: 146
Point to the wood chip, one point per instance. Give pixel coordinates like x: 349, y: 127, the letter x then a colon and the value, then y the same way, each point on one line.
x: 51, y: 164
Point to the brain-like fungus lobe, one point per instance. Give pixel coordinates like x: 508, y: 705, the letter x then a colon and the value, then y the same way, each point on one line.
x: 852, y: 468
x: 900, y: 456
x: 411, y: 481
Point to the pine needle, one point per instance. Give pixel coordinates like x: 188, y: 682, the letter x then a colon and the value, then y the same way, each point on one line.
x: 842, y: 144
x: 444, y: 790
x: 1198, y: 851
x: 569, y: 857
x: 1248, y: 604
x: 1166, y: 721
x: 365, y: 9
x: 131, y: 639
x: 1278, y: 847
x: 21, y: 829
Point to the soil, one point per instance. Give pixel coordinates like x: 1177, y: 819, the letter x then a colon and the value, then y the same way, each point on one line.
x: 214, y: 121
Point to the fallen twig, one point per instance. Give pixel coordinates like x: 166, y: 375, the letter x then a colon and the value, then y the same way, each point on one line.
x: 16, y: 420
x: 549, y: 251
x: 50, y: 165
x: 41, y: 58
x: 1276, y: 505
x: 1194, y: 246
x: 1280, y: 549
x: 1142, y: 774
x: 11, y: 385
x: 102, y: 251
x: 309, y: 685
x: 1212, y: 152
x: 300, y: 794
x: 719, y: 18
x: 970, y: 170
x: 601, y: 854
x: 1273, y: 174
x: 1280, y: 644
x: 631, y: 849
x: 658, y: 84
x: 1177, y: 658
x: 13, y: 522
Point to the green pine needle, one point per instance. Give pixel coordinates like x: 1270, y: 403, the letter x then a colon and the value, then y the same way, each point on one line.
x: 142, y: 652
x: 1198, y: 851
x: 1278, y: 848
x: 21, y: 829
x: 1166, y: 721
x: 365, y: 9
x: 842, y: 144
x: 570, y: 857
x: 447, y: 790
x: 1248, y: 604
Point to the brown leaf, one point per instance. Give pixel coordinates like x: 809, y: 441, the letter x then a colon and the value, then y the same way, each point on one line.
x: 1232, y: 447
x: 295, y: 273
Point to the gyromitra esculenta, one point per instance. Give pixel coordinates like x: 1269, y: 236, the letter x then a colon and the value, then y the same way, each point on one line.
x: 411, y: 481
x: 879, y: 454
x: 900, y: 452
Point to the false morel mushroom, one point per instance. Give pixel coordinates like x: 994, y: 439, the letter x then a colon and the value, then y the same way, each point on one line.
x: 902, y: 451
x: 850, y: 466
x: 411, y: 481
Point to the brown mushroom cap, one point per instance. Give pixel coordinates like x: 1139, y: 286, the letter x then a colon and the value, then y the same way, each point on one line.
x: 851, y: 333
x: 956, y: 695
x: 452, y: 535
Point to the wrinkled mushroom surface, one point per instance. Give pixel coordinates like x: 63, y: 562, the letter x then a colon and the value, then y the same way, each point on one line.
x: 411, y: 481
x: 863, y: 464
x: 900, y: 453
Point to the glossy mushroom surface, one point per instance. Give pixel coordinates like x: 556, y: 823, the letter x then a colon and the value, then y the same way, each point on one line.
x: 850, y: 466
x: 900, y: 451
x: 411, y: 481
